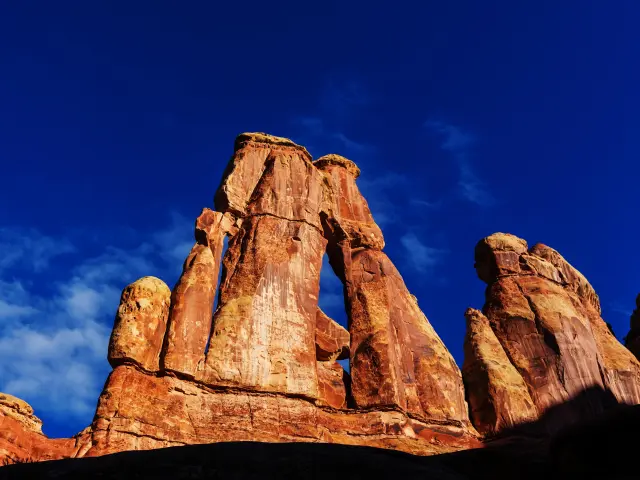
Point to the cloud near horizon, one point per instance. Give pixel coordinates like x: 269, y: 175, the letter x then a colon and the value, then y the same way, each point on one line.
x: 54, y: 337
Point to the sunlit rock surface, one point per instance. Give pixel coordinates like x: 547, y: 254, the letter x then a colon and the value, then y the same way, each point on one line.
x: 547, y: 321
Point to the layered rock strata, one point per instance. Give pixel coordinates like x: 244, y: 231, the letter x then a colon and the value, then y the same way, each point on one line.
x: 263, y: 365
x: 540, y: 327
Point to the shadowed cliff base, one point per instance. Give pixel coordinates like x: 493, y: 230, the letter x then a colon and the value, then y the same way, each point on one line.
x: 600, y: 445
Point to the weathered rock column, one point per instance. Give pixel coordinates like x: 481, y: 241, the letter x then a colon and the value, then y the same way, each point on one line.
x: 546, y: 317
x: 397, y: 359
x: 193, y: 297
x: 264, y: 328
x: 140, y: 324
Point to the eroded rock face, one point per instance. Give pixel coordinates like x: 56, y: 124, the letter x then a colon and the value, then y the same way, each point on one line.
x: 546, y: 317
x: 397, y: 359
x: 396, y: 356
x: 180, y: 412
x: 21, y: 437
x: 140, y: 324
x: 246, y: 167
x: 264, y: 327
x: 497, y: 394
x: 332, y: 384
x: 345, y: 209
x: 332, y: 339
x: 193, y: 297
x: 20, y: 411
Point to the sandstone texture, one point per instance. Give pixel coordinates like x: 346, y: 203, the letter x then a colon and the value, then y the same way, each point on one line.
x: 140, y: 324
x: 193, y: 297
x: 396, y: 356
x: 20, y: 411
x: 179, y: 412
x: 332, y: 339
x: 21, y: 437
x: 547, y: 321
x: 497, y: 395
x: 397, y: 359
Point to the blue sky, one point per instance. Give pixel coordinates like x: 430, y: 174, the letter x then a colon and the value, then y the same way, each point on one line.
x: 466, y: 118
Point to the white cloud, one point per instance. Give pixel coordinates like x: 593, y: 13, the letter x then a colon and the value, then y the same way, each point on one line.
x: 53, y: 340
x: 29, y: 248
x: 422, y: 257
x: 8, y: 310
x: 458, y: 143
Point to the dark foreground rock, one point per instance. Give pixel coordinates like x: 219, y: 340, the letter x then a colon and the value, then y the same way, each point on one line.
x: 600, y: 448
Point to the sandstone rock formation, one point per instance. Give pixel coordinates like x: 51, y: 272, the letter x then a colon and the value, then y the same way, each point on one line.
x: 632, y: 340
x: 21, y: 435
x: 193, y: 296
x: 397, y: 360
x: 498, y: 397
x: 141, y: 321
x: 543, y: 329
x: 263, y: 366
x: 20, y: 411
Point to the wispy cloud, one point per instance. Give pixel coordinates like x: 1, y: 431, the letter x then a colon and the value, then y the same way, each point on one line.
x: 53, y: 341
x: 425, y: 204
x: 378, y: 191
x: 8, y: 310
x: 318, y: 137
x: 27, y: 246
x: 459, y: 143
x: 422, y: 257
x: 620, y: 309
x: 343, y: 95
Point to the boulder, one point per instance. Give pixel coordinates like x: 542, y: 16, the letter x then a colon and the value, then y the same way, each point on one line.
x: 140, y: 324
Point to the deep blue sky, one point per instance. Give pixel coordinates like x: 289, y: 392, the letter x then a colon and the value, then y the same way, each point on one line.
x: 117, y: 119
